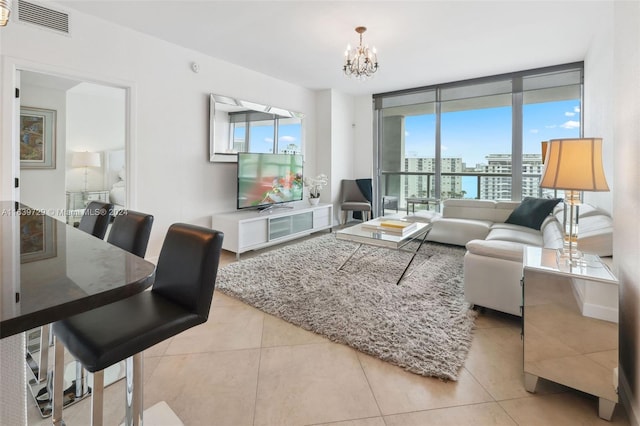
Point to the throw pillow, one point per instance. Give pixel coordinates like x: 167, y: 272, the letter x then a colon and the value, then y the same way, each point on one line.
x: 532, y: 212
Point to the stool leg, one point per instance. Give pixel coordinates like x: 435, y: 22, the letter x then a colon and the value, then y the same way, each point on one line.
x: 58, y: 379
x: 97, y: 398
x: 80, y: 380
x: 134, y: 391
x: 44, y: 352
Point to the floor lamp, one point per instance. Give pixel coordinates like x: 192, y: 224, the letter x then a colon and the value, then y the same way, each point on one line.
x: 573, y: 165
x: 85, y: 159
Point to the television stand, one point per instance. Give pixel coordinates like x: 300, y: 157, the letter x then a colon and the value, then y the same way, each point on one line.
x: 246, y: 230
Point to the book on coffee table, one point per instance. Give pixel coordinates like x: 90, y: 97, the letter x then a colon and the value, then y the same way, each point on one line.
x: 394, y: 226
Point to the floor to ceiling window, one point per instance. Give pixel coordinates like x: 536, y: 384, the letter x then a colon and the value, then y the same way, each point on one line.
x: 408, y: 150
x: 476, y: 135
x: 547, y: 113
x: 473, y: 139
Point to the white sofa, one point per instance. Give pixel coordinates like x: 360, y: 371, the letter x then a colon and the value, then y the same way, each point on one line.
x: 493, y: 261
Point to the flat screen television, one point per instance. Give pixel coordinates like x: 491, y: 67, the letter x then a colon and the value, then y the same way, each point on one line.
x: 268, y: 179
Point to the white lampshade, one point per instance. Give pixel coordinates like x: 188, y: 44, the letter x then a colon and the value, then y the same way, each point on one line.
x: 574, y: 165
x: 85, y: 159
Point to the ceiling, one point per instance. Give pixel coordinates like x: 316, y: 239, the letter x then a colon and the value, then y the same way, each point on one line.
x: 419, y: 43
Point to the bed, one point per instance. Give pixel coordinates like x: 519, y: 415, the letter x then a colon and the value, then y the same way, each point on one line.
x: 115, y: 178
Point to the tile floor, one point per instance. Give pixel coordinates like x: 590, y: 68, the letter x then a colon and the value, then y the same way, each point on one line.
x: 244, y: 367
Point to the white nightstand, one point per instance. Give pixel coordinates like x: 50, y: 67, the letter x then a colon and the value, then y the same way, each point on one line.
x: 566, y: 339
x: 78, y: 200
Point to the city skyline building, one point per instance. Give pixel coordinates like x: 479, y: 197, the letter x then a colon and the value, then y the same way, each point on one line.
x: 489, y: 187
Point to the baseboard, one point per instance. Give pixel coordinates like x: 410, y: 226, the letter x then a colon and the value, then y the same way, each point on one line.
x: 600, y: 312
x: 596, y: 300
x: 625, y: 395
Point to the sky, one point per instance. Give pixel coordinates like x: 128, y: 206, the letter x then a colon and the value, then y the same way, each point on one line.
x: 473, y: 134
x: 262, y: 136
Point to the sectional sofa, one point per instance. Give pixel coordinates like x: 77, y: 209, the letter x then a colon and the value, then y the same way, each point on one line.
x: 493, y: 261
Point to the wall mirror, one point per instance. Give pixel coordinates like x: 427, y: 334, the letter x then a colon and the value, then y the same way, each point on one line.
x: 236, y: 126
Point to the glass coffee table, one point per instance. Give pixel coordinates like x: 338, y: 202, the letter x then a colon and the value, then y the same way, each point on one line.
x: 364, y: 234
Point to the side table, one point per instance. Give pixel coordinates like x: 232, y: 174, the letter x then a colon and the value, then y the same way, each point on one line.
x: 78, y: 200
x: 564, y: 341
x: 418, y: 200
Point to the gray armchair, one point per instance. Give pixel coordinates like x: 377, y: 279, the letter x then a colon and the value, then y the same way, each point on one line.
x: 353, y: 200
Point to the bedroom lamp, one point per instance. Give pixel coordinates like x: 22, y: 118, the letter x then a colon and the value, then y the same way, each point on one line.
x: 573, y: 165
x: 85, y: 159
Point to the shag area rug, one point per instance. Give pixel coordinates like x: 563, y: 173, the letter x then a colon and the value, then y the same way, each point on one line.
x: 423, y: 325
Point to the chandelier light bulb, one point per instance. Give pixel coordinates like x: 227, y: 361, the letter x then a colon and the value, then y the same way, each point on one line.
x: 360, y: 62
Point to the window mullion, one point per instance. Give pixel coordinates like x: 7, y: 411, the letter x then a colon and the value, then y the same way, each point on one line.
x: 516, y: 139
x: 276, y: 123
x: 438, y: 168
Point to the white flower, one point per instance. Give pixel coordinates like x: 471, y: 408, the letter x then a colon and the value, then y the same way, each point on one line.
x: 316, y: 184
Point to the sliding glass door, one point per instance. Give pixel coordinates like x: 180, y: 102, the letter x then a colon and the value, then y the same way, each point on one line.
x: 408, y: 149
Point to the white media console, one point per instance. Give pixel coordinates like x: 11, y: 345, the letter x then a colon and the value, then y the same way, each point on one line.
x: 246, y: 230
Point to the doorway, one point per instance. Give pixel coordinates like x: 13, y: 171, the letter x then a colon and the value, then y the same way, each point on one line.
x: 71, y: 121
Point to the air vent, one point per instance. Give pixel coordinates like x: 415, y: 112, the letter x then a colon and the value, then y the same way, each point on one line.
x: 43, y: 16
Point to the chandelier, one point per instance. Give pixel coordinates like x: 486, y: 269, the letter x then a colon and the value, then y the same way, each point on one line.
x: 360, y: 62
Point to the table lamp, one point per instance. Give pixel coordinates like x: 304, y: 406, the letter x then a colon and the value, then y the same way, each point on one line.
x: 544, y: 144
x: 573, y: 165
x: 85, y: 159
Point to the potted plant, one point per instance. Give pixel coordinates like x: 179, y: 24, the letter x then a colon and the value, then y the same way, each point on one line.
x: 315, y: 185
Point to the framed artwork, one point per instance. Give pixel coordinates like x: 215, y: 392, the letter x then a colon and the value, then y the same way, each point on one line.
x: 37, y: 138
x: 37, y: 237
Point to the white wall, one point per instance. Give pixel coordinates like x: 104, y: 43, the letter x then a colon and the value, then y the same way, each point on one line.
x: 172, y: 176
x: 363, y: 143
x: 626, y: 201
x: 95, y: 122
x: 342, y: 141
x: 322, y: 150
x: 336, y: 145
x: 612, y: 111
x: 44, y: 188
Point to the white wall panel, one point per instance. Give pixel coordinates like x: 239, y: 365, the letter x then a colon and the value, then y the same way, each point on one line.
x: 175, y: 181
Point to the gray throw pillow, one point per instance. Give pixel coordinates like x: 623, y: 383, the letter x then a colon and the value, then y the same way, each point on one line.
x: 532, y: 212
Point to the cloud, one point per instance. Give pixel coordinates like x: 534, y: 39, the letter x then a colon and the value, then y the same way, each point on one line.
x: 551, y: 126
x: 444, y: 148
x: 534, y: 131
x: 289, y: 139
x: 270, y: 140
x: 569, y: 114
x: 406, y: 133
x: 571, y: 124
x: 576, y: 109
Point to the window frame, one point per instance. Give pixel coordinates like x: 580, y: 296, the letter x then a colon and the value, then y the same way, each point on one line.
x: 552, y: 77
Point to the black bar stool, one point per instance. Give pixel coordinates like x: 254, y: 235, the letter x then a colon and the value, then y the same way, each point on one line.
x: 96, y: 218
x: 130, y: 231
x: 95, y: 221
x: 180, y: 299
